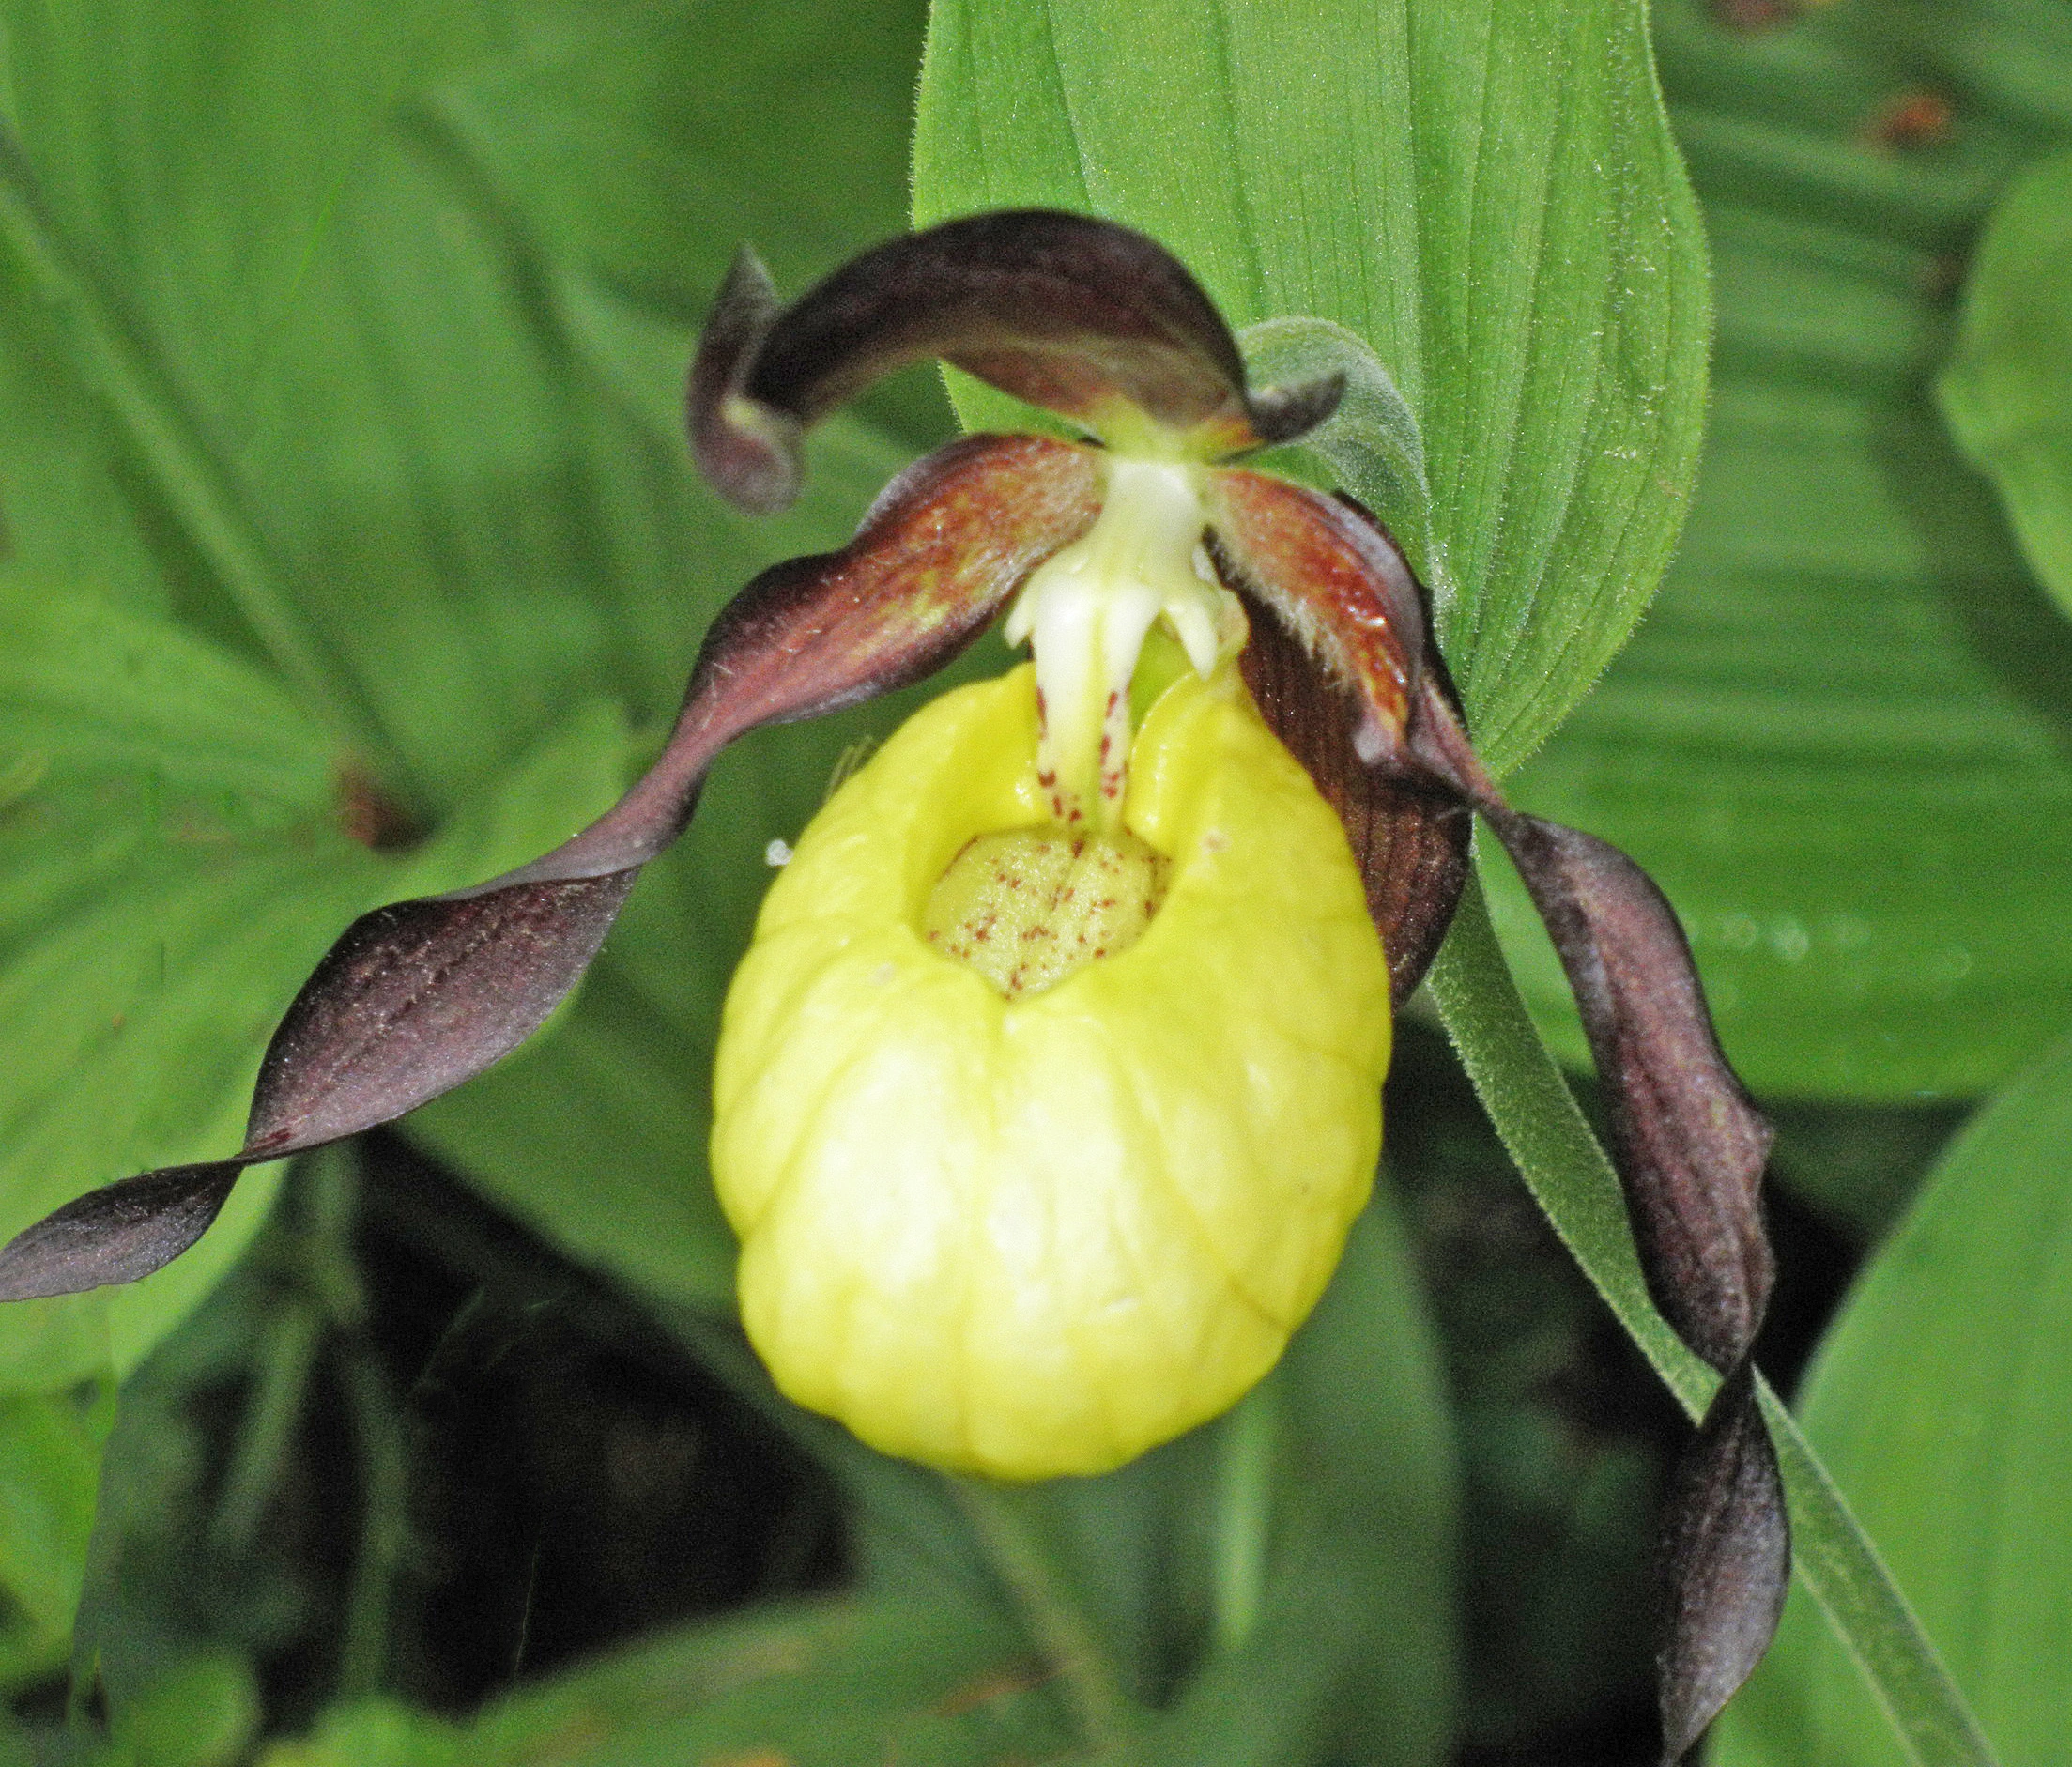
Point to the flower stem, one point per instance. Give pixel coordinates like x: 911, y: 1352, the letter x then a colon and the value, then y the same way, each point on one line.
x: 371, y: 1405
x: 1039, y: 1586
x: 1244, y: 1513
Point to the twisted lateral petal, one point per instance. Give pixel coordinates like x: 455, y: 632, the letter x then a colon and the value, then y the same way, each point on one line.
x: 1333, y: 576
x: 1689, y: 1142
x: 1690, y: 1147
x: 1083, y: 317
x: 416, y: 997
x: 1690, y: 1139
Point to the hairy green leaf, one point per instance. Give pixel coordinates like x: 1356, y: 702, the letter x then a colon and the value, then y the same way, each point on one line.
x: 1485, y: 194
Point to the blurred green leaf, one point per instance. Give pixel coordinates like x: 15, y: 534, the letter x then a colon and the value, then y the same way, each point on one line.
x: 2008, y: 389
x: 1842, y: 741
x: 642, y: 155
x: 1352, y: 1654
x: 175, y: 862
x: 827, y: 1685
x: 50, y: 1463
x: 201, y: 1712
x: 1486, y: 194
x: 1857, y: 1166
x: 1942, y: 1399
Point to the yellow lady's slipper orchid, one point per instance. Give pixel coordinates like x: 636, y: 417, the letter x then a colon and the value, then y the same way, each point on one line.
x: 1050, y: 1085
x: 1030, y: 1209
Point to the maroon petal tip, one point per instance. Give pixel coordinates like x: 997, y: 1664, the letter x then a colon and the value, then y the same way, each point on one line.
x: 747, y: 449
x: 1285, y: 414
x: 1726, y: 1564
x: 116, y: 1233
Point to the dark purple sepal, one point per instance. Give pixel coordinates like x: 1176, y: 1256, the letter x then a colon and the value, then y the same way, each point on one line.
x: 1409, y: 839
x: 419, y: 996
x: 748, y: 451
x: 1285, y: 414
x: 1078, y: 315
x: 1726, y: 1559
x: 115, y: 1234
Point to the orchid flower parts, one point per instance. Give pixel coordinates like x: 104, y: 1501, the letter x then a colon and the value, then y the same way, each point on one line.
x: 1030, y: 1213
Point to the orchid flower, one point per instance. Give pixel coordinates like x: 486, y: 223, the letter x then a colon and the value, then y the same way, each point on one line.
x: 1050, y: 1086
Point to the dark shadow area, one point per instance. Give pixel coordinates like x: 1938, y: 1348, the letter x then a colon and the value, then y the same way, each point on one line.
x: 444, y: 1462
x: 584, y: 1479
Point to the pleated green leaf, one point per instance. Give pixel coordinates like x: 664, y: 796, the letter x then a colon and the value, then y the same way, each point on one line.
x: 1842, y: 742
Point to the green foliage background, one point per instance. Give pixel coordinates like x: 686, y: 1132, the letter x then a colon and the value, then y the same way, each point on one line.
x: 341, y: 479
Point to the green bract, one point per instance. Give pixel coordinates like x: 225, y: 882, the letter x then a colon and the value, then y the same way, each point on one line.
x: 1036, y: 1235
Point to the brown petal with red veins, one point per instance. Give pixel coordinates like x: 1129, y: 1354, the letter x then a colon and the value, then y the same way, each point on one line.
x: 1409, y: 839
x: 1078, y: 315
x: 1333, y: 576
x: 419, y: 996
